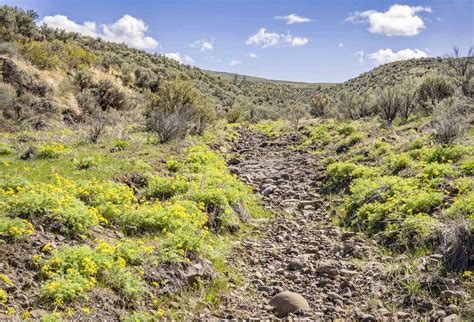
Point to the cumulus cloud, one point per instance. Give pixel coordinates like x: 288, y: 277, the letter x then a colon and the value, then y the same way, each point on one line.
x: 175, y: 56
x: 202, y: 44
x: 292, y: 18
x: 128, y: 30
x: 360, y: 54
x: 398, y: 20
x: 252, y: 55
x: 235, y: 62
x: 88, y: 28
x: 265, y: 39
x: 383, y: 56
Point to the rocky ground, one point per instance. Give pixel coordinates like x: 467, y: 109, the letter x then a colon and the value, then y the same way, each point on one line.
x: 339, y: 274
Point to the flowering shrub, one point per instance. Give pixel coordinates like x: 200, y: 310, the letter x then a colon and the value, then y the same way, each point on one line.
x: 446, y: 154
x: 166, y: 187
x: 55, y: 202
x: 109, y: 198
x: 391, y: 205
x: 435, y: 170
x: 52, y: 150
x: 13, y: 183
x: 341, y: 174
x: 15, y: 227
x: 154, y: 218
x: 398, y: 162
x: 75, y: 269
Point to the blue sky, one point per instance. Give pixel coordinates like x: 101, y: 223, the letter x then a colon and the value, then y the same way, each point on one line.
x: 324, y: 41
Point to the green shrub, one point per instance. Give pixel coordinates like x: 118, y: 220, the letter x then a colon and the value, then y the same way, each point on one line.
x: 173, y: 165
x: 381, y: 147
x: 51, y: 150
x: 55, y: 53
x: 341, y: 174
x: 446, y: 154
x: 41, y: 54
x: 157, y: 217
x: 345, y: 129
x: 433, y: 90
x: 71, y: 270
x: 398, y: 162
x: 109, y: 198
x: 214, y: 200
x: 435, y: 170
x: 86, y: 163
x: 51, y: 202
x: 467, y: 166
x: 121, y: 144
x: 389, y: 205
x: 65, y: 288
x: 166, y: 187
x: 318, y: 104
x: 14, y: 227
x: 109, y: 96
x: 13, y: 183
x: 463, y: 206
x: 83, y: 80
x: 178, y: 109
x: 5, y: 149
x: 17, y: 23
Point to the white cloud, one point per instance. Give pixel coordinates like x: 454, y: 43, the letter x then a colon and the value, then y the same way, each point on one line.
x: 89, y: 28
x: 270, y: 39
x: 176, y: 56
x: 235, y: 62
x: 292, y: 18
x: 188, y: 59
x: 340, y: 45
x: 360, y: 54
x: 202, y: 44
x: 298, y: 41
x: 252, y: 55
x: 131, y: 31
x: 383, y: 56
x: 398, y: 20
x: 128, y: 30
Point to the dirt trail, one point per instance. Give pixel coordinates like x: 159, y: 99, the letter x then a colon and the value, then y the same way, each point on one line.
x: 300, y: 250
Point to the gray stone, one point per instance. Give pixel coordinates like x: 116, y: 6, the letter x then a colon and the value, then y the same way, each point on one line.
x: 287, y: 302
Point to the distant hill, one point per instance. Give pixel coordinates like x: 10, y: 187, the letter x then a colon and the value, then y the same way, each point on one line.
x: 232, y: 76
x: 390, y: 74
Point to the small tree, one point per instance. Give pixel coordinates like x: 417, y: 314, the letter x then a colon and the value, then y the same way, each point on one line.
x: 97, y: 125
x: 176, y: 110
x: 408, y: 95
x: 353, y: 106
x: 450, y: 123
x: 109, y: 96
x: 318, y: 104
x: 295, y: 114
x: 462, y: 69
x: 433, y: 90
x: 83, y: 80
x: 234, y: 113
x: 16, y: 22
x: 388, y: 102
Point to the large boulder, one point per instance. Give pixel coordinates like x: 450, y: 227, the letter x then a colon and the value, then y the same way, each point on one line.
x: 287, y: 302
